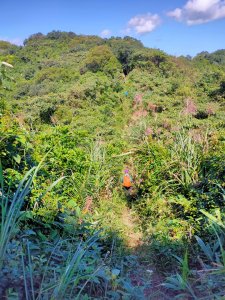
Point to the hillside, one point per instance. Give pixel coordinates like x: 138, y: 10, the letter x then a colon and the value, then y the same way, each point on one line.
x: 75, y: 112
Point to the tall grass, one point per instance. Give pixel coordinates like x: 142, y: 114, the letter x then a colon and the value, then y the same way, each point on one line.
x: 68, y: 271
x: 96, y: 175
x: 65, y: 281
x: 11, y: 206
x: 208, y: 280
x: 72, y: 273
x: 186, y: 155
x: 11, y: 209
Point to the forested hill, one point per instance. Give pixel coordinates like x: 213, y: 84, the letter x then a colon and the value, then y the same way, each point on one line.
x: 61, y: 70
x: 86, y: 108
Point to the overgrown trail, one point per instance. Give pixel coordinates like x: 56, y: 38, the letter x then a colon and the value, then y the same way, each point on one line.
x: 145, y: 274
x: 133, y: 234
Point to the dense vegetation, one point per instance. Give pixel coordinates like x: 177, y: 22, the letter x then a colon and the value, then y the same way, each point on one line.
x: 75, y: 111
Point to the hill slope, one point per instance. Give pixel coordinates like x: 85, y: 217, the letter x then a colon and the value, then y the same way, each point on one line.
x: 87, y: 108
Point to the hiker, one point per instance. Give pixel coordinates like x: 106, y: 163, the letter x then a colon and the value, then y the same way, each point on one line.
x: 127, y: 182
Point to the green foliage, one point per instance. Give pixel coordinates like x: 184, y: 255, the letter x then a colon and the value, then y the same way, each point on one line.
x: 152, y: 160
x: 4, y: 83
x: 123, y: 50
x: 55, y: 266
x: 15, y: 146
x: 101, y: 58
x: 217, y: 57
x: 208, y: 279
x: 186, y: 155
x: 95, y: 106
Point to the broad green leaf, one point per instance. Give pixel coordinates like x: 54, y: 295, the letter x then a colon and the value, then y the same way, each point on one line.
x: 17, y: 158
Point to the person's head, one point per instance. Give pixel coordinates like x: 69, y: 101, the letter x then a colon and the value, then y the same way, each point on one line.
x: 126, y: 171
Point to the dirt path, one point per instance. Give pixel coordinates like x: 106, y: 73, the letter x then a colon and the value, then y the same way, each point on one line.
x: 145, y: 274
x: 133, y: 233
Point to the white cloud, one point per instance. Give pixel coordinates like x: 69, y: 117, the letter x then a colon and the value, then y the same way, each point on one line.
x: 105, y: 33
x: 199, y: 11
x: 142, y: 24
x: 15, y: 41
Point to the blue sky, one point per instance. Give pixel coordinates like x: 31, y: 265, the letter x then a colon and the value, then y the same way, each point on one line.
x: 178, y: 27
